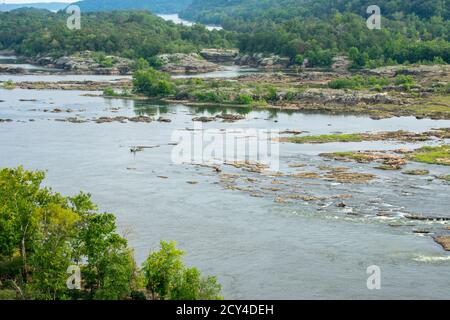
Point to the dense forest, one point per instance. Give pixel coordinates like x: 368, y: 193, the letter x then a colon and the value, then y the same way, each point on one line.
x: 156, y: 6
x: 412, y: 31
x: 131, y: 34
x: 220, y: 11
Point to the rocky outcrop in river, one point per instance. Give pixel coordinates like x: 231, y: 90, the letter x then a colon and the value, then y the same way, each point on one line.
x: 219, y: 55
x: 258, y: 60
x: 186, y: 63
x: 325, y: 96
x: 88, y: 62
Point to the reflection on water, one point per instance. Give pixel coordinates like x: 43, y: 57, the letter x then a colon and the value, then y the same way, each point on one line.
x: 12, y: 61
x: 226, y: 72
x: 309, y: 253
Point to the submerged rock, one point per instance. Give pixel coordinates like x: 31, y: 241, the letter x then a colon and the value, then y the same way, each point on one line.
x: 426, y: 218
x: 417, y: 172
x: 230, y: 117
x: 350, y: 177
x: 204, y: 119
x: 161, y: 119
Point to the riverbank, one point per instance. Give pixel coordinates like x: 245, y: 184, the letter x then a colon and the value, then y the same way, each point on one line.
x: 416, y: 91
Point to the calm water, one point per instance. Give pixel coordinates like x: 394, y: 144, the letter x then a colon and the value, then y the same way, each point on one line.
x: 258, y: 248
x: 176, y: 19
x: 226, y: 72
x: 56, y: 75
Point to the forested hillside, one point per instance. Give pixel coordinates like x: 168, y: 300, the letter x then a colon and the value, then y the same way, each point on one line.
x: 129, y: 34
x: 220, y: 11
x: 412, y: 31
x: 54, y: 6
x: 156, y: 6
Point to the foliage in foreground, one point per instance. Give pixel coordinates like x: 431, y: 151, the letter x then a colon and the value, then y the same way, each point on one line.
x: 43, y: 233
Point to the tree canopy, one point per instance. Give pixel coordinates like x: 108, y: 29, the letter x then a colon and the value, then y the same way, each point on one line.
x: 131, y: 34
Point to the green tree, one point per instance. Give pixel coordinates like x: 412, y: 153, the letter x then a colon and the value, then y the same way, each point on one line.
x: 140, y: 64
x: 166, y: 277
x: 162, y: 268
x: 152, y: 83
x: 43, y: 233
x: 191, y: 286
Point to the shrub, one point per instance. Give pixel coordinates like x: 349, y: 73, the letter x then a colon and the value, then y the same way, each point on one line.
x: 9, y: 84
x: 271, y: 94
x: 152, y: 83
x: 109, y: 92
x: 167, y: 277
x: 140, y: 64
x: 209, y: 96
x: 243, y: 99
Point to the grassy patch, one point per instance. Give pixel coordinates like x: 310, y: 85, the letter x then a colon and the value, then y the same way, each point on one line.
x: 109, y: 92
x: 432, y: 155
x: 327, y: 138
x: 8, y: 85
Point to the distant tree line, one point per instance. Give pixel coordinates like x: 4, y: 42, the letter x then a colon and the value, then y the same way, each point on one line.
x: 412, y: 31
x: 131, y: 34
x: 416, y: 31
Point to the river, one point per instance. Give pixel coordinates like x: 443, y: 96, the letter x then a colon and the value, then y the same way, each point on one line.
x: 259, y: 249
x: 175, y: 18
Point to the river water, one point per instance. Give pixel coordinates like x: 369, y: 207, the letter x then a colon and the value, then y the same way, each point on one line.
x: 259, y: 249
x: 176, y: 19
x: 55, y: 75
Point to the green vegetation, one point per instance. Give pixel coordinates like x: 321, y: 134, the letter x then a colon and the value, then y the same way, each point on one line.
x: 359, y: 82
x: 152, y: 83
x: 103, y: 60
x: 9, y: 84
x: 168, y: 278
x: 327, y: 138
x: 109, y: 92
x: 244, y: 99
x: 129, y: 34
x: 432, y: 155
x: 313, y: 30
x: 226, y: 12
x: 411, y: 32
x: 43, y: 233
